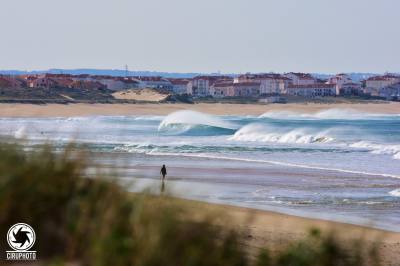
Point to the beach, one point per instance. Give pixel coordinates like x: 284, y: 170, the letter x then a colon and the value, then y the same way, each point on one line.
x: 276, y: 170
x: 67, y: 110
x: 274, y: 230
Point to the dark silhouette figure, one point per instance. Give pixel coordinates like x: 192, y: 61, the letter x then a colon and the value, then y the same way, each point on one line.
x: 163, y: 172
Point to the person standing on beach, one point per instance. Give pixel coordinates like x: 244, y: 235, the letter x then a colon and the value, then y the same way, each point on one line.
x: 163, y: 172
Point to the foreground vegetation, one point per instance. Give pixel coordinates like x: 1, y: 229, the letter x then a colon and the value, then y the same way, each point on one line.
x: 91, y: 221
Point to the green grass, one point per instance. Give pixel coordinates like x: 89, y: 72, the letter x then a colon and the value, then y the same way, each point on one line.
x: 95, y: 222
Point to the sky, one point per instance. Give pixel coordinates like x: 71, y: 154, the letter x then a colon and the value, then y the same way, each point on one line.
x: 227, y: 36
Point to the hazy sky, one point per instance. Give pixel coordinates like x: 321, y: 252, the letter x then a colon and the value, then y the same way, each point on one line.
x: 323, y: 36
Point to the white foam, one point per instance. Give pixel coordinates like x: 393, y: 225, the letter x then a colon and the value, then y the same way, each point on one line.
x: 188, y: 119
x: 379, y: 148
x: 20, y: 133
x: 395, y: 193
x: 150, y: 118
x: 342, y: 114
x: 275, y: 163
x: 260, y: 133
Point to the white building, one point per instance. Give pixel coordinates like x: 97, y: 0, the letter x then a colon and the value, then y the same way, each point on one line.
x: 180, y: 86
x: 350, y: 88
x: 247, y: 89
x: 270, y: 83
x: 339, y: 80
x: 200, y: 86
x: 117, y: 84
x: 312, y: 90
x: 222, y: 89
x: 391, y: 92
x: 235, y: 89
x: 154, y: 83
x: 374, y: 84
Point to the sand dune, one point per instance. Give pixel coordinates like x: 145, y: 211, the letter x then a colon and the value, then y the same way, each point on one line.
x: 148, y: 95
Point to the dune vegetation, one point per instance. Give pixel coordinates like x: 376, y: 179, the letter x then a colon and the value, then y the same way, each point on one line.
x: 94, y: 221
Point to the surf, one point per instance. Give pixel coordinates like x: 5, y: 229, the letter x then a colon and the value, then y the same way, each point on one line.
x: 260, y: 133
x: 295, y: 165
x: 195, y: 123
x: 329, y: 114
x: 395, y: 193
x: 376, y: 148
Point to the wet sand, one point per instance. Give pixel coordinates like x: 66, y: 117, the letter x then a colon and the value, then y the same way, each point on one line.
x: 259, y: 228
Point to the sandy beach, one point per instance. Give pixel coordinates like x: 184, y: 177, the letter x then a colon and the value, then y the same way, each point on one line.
x: 274, y: 230
x: 259, y: 228
x: 61, y: 110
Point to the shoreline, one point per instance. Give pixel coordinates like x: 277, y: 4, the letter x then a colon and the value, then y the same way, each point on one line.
x: 79, y: 109
x: 260, y: 227
x: 269, y: 228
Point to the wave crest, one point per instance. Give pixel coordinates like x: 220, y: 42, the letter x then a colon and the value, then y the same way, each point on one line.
x: 333, y: 114
x: 186, y: 120
x: 379, y: 148
x: 257, y: 132
x: 395, y: 193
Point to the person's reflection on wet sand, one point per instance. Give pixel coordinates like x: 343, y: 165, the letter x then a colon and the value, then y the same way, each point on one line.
x: 162, y: 186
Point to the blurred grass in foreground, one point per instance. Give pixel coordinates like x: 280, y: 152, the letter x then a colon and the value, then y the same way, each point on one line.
x: 96, y: 222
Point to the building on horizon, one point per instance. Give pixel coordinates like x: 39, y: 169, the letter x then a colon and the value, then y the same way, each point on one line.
x: 235, y: 89
x: 391, y: 92
x: 200, y: 86
x: 312, y: 90
x: 373, y: 85
x: 339, y: 80
x: 350, y: 89
x: 300, y: 78
x: 270, y: 83
x: 179, y: 86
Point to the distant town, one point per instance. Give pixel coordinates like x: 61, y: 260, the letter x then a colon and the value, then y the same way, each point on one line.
x: 267, y: 87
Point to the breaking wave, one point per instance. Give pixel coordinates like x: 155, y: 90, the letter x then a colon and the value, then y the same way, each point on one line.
x: 395, y: 193
x: 195, y: 123
x: 334, y: 114
x: 379, y: 148
x: 258, y: 132
x: 20, y: 133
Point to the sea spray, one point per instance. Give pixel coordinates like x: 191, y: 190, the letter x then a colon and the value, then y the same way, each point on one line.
x: 185, y: 120
x: 261, y: 133
x: 330, y: 114
x: 395, y: 193
x: 379, y: 148
x: 311, y: 162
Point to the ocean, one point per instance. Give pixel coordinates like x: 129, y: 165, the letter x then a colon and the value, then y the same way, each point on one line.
x: 340, y: 165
